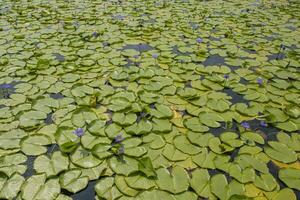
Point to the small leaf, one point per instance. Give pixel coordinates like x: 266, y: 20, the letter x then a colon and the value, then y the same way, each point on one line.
x: 145, y: 166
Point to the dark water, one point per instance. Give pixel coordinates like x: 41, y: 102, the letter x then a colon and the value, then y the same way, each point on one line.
x: 49, y: 119
x: 52, y: 148
x: 87, y: 194
x: 277, y: 56
x: 139, y: 47
x: 29, y: 163
x: 217, y: 171
x: 57, y: 96
x: 214, y: 60
x: 236, y: 98
x: 59, y: 57
x: 6, y: 89
x: 177, y: 52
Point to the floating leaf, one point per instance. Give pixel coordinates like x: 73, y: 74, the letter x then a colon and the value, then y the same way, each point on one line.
x: 200, y: 182
x: 82, y: 117
x: 194, y: 125
x: 291, y: 177
x: 53, y: 166
x: 11, y: 187
x: 176, y: 181
x: 124, y: 166
x: 146, y: 167
x: 73, y: 181
x: 36, y: 187
x: 105, y: 188
x: 280, y: 152
x: 183, y: 144
x: 139, y: 182
x: 161, y: 111
x: 124, y: 187
x: 66, y: 139
x: 84, y: 158
x: 35, y: 144
x: 139, y: 128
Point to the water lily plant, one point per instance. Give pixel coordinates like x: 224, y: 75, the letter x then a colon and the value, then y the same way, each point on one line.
x: 245, y: 125
x: 79, y: 132
x: 263, y: 124
x: 260, y: 81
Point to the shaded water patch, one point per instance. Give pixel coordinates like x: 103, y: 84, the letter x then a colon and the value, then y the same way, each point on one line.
x: 268, y: 132
x: 177, y: 52
x: 59, y: 57
x: 139, y: 47
x: 211, y: 38
x: 235, y: 97
x: 274, y: 169
x: 131, y: 63
x: 87, y: 194
x: 52, y: 148
x: 234, y: 154
x: 57, y: 96
x: 213, y: 172
x: 29, y: 163
x: 6, y: 89
x: 243, y: 81
x: 277, y: 56
x: 214, y: 60
x: 224, y: 128
x: 49, y: 119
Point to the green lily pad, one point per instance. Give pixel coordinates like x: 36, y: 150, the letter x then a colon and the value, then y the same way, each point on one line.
x: 176, y: 181
x: 195, y: 125
x: 200, y: 182
x: 73, y: 181
x: 36, y: 187
x: 155, y: 195
x: 124, y: 120
x: 101, y: 150
x: 124, y: 187
x: 140, y: 128
x: 35, y: 144
x: 82, y: 117
x: 66, y: 139
x: 265, y: 181
x: 280, y: 152
x: 124, y: 166
x: 11, y: 187
x: 32, y: 119
x: 233, y: 188
x: 83, y: 158
x: 105, y: 189
x: 184, y: 145
x: 11, y: 139
x: 53, y: 166
x: 291, y: 177
x: 210, y: 119
x: 161, y: 111
x: 139, y: 182
x: 146, y: 167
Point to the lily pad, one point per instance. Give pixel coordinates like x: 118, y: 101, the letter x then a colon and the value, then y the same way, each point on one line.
x: 73, y: 181
x: 176, y: 181
x: 291, y: 177
x: 53, y: 166
x: 280, y: 152
x: 35, y: 144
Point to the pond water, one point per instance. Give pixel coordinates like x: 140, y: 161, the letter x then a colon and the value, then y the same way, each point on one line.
x: 149, y: 100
